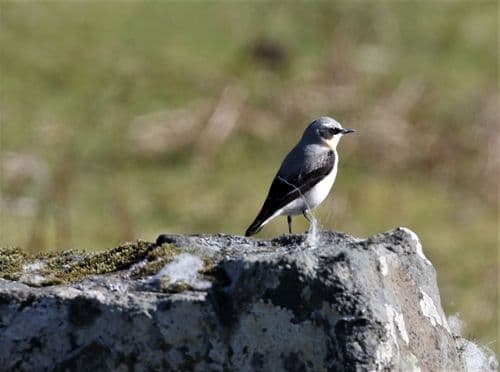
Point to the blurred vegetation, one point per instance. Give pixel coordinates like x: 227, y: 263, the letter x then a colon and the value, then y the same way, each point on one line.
x: 125, y: 120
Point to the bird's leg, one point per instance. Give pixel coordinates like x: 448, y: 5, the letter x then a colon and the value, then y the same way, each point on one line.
x: 289, y: 220
x: 305, y: 213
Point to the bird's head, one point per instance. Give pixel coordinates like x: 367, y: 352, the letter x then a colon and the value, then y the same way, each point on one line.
x: 325, y: 130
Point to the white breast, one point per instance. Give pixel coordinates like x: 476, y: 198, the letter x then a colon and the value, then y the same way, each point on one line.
x: 320, y: 191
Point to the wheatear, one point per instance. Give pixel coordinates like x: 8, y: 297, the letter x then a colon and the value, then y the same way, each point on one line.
x: 305, y: 176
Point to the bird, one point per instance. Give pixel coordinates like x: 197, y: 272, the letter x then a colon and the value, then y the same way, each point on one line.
x: 306, y: 175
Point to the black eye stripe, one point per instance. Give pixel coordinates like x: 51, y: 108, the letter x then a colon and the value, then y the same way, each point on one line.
x: 328, y: 132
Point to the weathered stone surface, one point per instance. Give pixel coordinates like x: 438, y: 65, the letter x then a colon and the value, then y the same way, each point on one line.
x: 233, y: 303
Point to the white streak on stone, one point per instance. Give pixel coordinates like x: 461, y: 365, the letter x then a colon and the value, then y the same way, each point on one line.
x: 390, y: 317
x: 429, y: 309
x: 431, y: 312
x: 400, y: 324
x: 184, y: 269
x: 382, y: 265
x: 418, y: 245
x: 396, y: 320
x: 385, y: 350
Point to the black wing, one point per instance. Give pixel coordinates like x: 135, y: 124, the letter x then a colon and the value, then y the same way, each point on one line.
x: 284, y: 190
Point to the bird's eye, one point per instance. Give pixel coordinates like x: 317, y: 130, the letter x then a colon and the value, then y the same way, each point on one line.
x: 334, y: 131
x: 328, y: 132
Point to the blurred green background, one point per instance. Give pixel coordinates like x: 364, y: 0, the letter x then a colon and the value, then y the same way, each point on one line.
x: 125, y: 120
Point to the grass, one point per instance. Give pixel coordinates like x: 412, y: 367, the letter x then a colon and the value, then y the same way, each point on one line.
x: 419, y: 82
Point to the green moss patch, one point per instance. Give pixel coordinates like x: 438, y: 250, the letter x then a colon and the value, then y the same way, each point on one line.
x: 11, y: 262
x: 73, y: 266
x: 69, y: 268
x: 140, y: 258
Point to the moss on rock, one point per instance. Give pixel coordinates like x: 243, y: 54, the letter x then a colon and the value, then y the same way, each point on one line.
x: 73, y: 266
x: 137, y: 259
x: 64, y: 267
x: 11, y: 262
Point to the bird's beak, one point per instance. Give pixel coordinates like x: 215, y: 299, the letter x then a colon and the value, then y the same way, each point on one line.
x: 347, y: 130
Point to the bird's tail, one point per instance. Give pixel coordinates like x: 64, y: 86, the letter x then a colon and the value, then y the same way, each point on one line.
x: 254, y: 228
x: 259, y: 222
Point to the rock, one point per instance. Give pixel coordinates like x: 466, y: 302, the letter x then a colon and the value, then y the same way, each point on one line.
x: 228, y: 303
